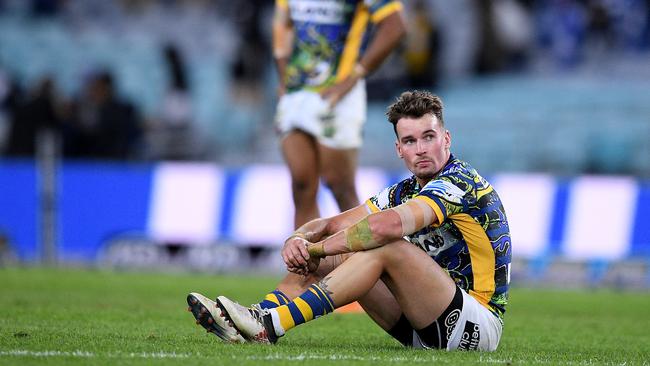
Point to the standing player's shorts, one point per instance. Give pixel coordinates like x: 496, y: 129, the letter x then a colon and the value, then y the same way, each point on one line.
x: 476, y: 327
x: 340, y: 128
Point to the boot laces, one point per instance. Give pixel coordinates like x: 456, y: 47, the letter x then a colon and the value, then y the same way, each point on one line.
x: 258, y: 312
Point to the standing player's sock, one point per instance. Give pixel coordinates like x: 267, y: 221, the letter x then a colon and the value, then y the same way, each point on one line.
x: 312, y: 304
x: 274, y: 299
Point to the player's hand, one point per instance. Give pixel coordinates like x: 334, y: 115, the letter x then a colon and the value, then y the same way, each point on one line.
x: 295, y: 254
x: 333, y: 94
x: 312, y: 264
x: 311, y: 267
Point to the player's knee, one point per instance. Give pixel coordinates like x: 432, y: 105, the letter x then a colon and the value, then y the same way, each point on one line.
x: 399, y: 251
x: 304, y: 187
x: 387, y: 254
x: 370, y: 256
x: 341, y: 188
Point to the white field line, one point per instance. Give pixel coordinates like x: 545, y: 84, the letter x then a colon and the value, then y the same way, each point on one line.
x: 483, y: 358
x: 85, y: 354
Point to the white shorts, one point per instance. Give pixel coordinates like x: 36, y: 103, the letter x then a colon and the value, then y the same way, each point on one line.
x: 477, y: 328
x: 340, y: 128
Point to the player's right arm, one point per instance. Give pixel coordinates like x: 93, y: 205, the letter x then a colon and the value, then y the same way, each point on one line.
x: 294, y: 251
x: 282, y: 41
x: 391, y: 27
x: 378, y: 228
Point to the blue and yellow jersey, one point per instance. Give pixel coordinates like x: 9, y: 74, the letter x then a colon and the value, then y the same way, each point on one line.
x: 329, y: 36
x: 471, y: 240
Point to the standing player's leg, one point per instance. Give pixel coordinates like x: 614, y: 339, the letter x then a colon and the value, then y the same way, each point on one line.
x: 338, y: 169
x: 301, y: 155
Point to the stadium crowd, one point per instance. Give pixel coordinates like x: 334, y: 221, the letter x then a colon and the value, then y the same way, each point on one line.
x: 101, y: 113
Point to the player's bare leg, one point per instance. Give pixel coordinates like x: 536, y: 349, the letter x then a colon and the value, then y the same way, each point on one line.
x: 382, y: 307
x: 338, y: 169
x: 210, y: 317
x: 301, y: 155
x: 420, y: 286
x: 380, y: 304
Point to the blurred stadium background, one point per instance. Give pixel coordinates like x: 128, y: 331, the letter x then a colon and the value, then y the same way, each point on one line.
x: 139, y: 133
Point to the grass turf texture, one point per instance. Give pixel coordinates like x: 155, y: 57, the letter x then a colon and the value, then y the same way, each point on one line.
x: 62, y: 316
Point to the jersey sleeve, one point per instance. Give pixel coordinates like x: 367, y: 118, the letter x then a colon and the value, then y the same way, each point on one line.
x: 444, y: 197
x: 380, y: 201
x: 380, y: 9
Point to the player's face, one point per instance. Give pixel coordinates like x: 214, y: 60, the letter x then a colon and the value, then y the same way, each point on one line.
x: 424, y: 145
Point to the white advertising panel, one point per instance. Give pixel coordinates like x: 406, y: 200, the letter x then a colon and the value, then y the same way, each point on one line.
x: 600, y: 218
x: 528, y: 202
x: 263, y: 208
x: 185, y: 203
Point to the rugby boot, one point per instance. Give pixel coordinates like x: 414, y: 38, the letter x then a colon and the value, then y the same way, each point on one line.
x: 210, y: 316
x: 254, y: 323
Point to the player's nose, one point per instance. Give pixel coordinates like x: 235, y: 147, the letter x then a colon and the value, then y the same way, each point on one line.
x: 421, y: 147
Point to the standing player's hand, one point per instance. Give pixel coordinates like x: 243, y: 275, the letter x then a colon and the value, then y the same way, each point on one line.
x: 333, y: 94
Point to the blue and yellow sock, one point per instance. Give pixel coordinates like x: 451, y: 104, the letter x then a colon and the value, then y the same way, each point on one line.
x: 274, y: 299
x: 312, y: 304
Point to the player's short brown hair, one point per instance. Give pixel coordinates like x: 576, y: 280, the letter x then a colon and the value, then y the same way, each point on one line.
x: 414, y: 104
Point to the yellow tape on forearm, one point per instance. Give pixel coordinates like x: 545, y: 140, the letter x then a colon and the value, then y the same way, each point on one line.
x: 316, y: 250
x: 359, y: 236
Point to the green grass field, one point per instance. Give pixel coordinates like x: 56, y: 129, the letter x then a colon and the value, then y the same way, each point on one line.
x: 77, y: 316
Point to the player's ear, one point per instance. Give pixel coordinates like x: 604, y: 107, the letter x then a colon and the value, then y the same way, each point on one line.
x: 398, y: 149
x: 447, y: 139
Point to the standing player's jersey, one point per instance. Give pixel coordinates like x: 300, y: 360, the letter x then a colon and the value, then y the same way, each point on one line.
x: 471, y: 240
x: 329, y: 35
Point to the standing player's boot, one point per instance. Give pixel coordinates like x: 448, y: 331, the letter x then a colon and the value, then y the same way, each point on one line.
x: 254, y: 323
x: 210, y: 317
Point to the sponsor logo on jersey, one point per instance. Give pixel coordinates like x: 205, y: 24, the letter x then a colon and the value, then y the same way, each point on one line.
x: 318, y: 11
x: 432, y: 240
x: 471, y: 337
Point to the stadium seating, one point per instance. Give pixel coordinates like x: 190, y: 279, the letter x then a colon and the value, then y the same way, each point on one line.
x: 562, y: 124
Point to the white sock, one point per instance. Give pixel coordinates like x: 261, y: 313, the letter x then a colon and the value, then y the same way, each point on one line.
x: 277, y: 326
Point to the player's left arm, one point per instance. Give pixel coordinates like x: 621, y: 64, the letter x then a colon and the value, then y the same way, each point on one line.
x: 282, y: 36
x: 390, y: 30
x: 377, y: 229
